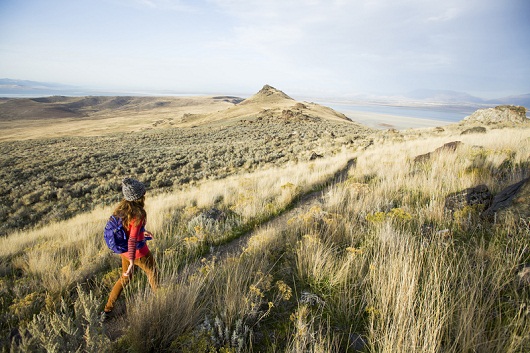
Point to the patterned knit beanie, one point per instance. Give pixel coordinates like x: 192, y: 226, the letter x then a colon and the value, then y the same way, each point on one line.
x: 132, y: 189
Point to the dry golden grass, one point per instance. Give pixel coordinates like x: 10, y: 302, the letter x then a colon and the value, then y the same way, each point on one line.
x: 415, y: 292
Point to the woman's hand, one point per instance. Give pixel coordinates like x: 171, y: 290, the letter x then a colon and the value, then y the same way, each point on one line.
x: 148, y: 235
x: 129, y: 270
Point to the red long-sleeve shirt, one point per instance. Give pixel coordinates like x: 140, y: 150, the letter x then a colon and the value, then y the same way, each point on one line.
x: 135, y: 235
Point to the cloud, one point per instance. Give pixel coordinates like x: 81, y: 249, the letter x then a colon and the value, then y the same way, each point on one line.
x: 344, y: 45
x: 172, y: 5
x: 446, y: 15
x: 361, y: 42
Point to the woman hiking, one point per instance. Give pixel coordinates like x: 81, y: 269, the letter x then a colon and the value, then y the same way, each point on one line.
x: 132, y: 213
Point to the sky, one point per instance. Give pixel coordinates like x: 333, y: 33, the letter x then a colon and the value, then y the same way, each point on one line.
x: 311, y: 47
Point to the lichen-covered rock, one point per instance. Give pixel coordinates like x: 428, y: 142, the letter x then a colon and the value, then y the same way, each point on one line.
x: 513, y: 201
x: 311, y: 299
x: 478, y: 195
x: 499, y: 114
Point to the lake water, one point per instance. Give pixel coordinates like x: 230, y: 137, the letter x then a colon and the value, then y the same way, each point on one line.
x: 401, y: 118
x: 449, y: 115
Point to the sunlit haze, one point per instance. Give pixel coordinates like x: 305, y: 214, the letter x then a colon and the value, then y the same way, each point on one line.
x: 320, y: 48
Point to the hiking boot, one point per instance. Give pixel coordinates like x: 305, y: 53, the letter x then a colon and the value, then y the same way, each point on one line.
x: 105, y: 316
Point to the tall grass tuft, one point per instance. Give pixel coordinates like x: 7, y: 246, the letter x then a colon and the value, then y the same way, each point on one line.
x: 407, y: 301
x: 156, y: 320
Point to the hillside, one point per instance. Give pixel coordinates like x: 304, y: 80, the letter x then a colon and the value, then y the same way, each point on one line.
x: 269, y: 103
x: 58, y: 116
x: 95, y: 116
x: 369, y: 248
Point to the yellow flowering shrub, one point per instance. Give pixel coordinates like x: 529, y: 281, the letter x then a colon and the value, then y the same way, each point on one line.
x: 284, y: 290
x: 395, y: 214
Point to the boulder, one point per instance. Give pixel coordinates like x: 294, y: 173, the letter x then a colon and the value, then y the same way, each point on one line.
x: 478, y: 195
x: 513, y: 201
x: 448, y: 147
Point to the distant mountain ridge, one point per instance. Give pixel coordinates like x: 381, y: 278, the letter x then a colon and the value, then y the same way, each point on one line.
x: 6, y: 83
x: 15, y: 87
x: 447, y: 96
x: 443, y: 96
x: 522, y: 99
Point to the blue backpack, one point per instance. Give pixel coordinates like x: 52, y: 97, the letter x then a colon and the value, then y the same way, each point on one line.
x: 116, y: 237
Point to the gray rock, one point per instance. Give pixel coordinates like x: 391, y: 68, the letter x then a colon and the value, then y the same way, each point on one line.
x: 357, y: 343
x: 448, y: 147
x: 214, y: 214
x: 513, y: 200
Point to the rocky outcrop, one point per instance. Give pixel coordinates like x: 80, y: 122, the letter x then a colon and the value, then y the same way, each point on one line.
x: 513, y: 201
x: 499, y: 114
x: 271, y: 103
x: 448, y: 147
x: 296, y: 115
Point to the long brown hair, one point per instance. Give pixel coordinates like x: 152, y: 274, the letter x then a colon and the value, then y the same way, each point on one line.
x: 129, y: 210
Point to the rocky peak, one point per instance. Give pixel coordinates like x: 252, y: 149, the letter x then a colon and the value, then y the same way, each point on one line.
x: 499, y: 114
x: 267, y: 94
x: 271, y: 91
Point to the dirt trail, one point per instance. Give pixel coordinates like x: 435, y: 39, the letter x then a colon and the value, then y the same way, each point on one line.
x: 300, y: 206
